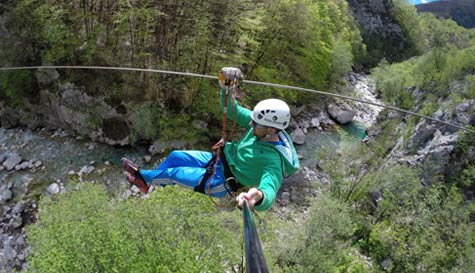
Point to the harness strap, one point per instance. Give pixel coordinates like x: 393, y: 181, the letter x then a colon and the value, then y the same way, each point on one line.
x: 217, y: 150
x: 231, y: 183
x: 209, y: 172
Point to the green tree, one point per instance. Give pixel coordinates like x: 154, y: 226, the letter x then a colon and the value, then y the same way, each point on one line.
x: 322, y: 244
x: 173, y: 231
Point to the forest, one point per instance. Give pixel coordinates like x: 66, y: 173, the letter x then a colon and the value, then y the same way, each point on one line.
x: 372, y: 217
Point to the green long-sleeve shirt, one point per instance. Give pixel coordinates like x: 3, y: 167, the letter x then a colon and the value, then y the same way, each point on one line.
x: 257, y: 163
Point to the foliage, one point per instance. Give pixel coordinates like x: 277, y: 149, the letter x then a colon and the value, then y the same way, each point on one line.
x: 17, y: 87
x: 430, y: 234
x: 321, y: 244
x: 302, y: 42
x: 347, y: 170
x: 429, y: 105
x: 392, y: 81
x: 172, y: 231
x: 470, y: 87
x: 145, y: 122
x: 449, y: 58
x: 390, y: 30
x: 406, y: 16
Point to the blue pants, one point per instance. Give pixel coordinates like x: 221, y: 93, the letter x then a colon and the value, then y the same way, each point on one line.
x: 187, y: 168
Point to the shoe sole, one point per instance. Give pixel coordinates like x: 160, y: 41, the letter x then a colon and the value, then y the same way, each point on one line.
x: 133, y: 169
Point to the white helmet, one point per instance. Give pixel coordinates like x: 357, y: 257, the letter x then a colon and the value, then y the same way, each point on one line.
x: 272, y: 113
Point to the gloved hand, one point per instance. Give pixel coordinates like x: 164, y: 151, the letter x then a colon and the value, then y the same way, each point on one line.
x: 229, y: 77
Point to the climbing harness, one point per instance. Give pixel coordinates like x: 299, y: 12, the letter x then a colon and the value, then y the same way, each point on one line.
x: 231, y: 184
x: 244, y: 81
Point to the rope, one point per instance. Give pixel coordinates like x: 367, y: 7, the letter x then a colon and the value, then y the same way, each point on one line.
x: 245, y: 81
x: 224, y: 137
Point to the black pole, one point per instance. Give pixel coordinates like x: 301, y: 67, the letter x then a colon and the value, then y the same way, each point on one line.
x: 255, y: 261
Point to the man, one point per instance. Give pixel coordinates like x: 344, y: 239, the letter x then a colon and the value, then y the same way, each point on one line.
x: 259, y: 161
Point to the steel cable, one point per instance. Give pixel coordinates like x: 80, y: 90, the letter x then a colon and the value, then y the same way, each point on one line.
x: 188, y: 74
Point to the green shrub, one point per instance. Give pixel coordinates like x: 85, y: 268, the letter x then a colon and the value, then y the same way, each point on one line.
x: 429, y: 105
x: 172, y: 231
x: 17, y: 87
x: 321, y: 245
x: 145, y: 121
x: 470, y: 87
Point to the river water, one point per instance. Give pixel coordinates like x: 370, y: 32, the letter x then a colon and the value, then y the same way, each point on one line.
x: 347, y: 136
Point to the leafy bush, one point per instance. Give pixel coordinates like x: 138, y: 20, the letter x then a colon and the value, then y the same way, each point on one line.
x: 470, y: 87
x: 17, y: 87
x: 172, y: 231
x: 145, y: 121
x: 392, y: 82
x: 433, y: 233
x: 321, y: 245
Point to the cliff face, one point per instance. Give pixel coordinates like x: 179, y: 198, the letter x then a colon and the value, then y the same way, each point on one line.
x: 384, y: 35
x: 461, y: 11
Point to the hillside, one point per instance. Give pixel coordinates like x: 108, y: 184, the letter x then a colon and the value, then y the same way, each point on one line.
x: 461, y: 11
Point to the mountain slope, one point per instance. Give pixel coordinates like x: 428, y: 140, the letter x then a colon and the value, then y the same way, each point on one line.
x: 461, y: 11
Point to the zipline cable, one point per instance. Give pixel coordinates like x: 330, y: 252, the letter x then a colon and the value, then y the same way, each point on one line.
x: 188, y: 74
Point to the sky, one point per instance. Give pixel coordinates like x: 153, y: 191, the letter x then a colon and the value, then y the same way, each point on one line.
x: 415, y: 2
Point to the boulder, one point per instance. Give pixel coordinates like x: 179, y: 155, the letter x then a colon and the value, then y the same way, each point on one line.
x: 46, y: 76
x: 12, y: 161
x: 298, y: 136
x: 423, y: 133
x: 341, y: 112
x: 74, y: 110
x: 9, y: 118
x: 53, y: 188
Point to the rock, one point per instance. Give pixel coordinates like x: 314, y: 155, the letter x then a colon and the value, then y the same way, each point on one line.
x: 464, y: 112
x: 285, y: 198
x: 12, y: 160
x: 24, y: 165
x: 53, y: 188
x: 3, y: 157
x: 341, y: 112
x: 386, y: 264
x: 9, y: 252
x: 423, y: 133
x: 199, y: 124
x: 298, y: 136
x: 85, y: 170
x: 126, y: 194
x: 17, y: 221
x: 5, y: 195
x: 18, y: 208
x: 46, y: 76
x: 10, y: 118
x: 325, y: 119
x: 147, y: 159
x: 315, y: 122
x: 37, y: 164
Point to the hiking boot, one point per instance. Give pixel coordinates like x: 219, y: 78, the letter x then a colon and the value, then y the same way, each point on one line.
x: 138, y: 182
x: 133, y: 175
x: 129, y: 166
